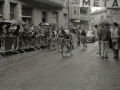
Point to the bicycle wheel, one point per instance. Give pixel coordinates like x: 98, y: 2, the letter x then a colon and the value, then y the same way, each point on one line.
x: 71, y: 48
x: 58, y: 48
x: 64, y: 51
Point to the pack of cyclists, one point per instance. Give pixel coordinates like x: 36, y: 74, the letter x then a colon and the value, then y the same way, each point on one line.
x: 68, y: 34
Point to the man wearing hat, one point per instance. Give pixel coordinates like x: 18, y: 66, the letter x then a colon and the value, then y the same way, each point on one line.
x: 105, y: 36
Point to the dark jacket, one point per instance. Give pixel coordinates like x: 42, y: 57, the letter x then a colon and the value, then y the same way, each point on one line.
x: 105, y: 34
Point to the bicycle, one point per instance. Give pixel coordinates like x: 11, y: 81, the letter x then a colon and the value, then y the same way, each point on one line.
x: 52, y: 43
x: 83, y: 40
x: 66, y: 47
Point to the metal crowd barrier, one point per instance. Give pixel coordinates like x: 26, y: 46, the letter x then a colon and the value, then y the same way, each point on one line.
x: 26, y: 42
x: 8, y: 44
x: 20, y: 43
x: 53, y: 43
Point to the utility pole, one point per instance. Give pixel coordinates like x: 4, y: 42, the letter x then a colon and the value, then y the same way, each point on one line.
x: 68, y: 14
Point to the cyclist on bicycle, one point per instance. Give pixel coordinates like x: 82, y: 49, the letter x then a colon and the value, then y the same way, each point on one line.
x: 83, y: 37
x: 65, y: 34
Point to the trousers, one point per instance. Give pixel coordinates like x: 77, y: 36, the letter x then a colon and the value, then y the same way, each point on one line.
x: 104, y: 48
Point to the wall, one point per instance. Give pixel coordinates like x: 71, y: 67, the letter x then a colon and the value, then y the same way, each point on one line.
x: 116, y: 18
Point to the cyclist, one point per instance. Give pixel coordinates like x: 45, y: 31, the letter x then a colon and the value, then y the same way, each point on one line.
x: 83, y: 37
x: 78, y: 36
x: 65, y: 34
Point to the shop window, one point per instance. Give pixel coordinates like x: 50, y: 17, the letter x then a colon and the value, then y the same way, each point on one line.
x: 78, y: 10
x: 74, y: 9
x: 102, y: 17
x: 55, y: 17
x: 65, y: 20
x: 27, y: 14
x: 1, y: 9
x: 12, y: 10
x: 83, y: 11
x: 44, y: 16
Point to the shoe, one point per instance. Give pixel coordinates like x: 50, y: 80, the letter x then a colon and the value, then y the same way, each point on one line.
x: 114, y: 57
x: 102, y: 57
x: 98, y: 53
x: 106, y: 57
x: 117, y: 58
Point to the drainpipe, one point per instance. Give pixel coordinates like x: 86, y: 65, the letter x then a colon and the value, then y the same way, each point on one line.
x: 68, y: 14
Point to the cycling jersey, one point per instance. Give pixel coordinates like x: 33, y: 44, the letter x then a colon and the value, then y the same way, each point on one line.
x: 65, y: 33
x: 83, y: 33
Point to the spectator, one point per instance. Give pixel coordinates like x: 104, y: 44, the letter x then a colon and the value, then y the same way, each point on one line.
x: 98, y: 37
x: 115, y: 41
x: 105, y: 36
x: 17, y: 31
x: 4, y: 30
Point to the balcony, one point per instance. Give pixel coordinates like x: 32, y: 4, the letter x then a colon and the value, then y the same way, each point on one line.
x: 58, y: 3
x: 84, y: 8
x: 84, y: 17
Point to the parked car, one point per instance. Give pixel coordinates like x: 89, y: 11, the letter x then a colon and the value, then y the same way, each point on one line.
x: 91, y: 37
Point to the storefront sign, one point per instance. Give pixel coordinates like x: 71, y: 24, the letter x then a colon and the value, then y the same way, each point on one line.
x: 95, y: 3
x: 74, y: 2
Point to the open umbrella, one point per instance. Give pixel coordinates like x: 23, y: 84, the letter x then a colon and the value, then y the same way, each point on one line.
x: 6, y: 21
x: 106, y: 22
x: 14, y: 22
x: 45, y: 24
x: 21, y: 23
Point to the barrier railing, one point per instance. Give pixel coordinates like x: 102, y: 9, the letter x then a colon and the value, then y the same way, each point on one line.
x: 26, y: 42
x: 20, y: 43
x: 8, y: 44
x: 53, y: 43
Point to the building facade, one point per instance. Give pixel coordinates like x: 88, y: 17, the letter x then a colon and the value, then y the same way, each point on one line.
x: 99, y: 16
x: 109, y: 14
x: 79, y: 16
x: 35, y: 11
x: 50, y: 11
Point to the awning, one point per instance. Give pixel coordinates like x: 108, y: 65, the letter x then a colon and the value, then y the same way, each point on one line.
x: 57, y: 3
x: 77, y: 21
x: 85, y: 19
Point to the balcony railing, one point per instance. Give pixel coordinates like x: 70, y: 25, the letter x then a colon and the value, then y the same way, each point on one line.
x: 58, y: 3
x: 61, y: 2
x: 84, y: 8
x: 84, y: 17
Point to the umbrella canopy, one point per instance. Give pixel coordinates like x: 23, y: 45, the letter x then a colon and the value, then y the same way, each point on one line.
x: 21, y: 23
x: 106, y: 22
x: 6, y: 21
x: 74, y: 28
x: 14, y: 22
x: 44, y: 24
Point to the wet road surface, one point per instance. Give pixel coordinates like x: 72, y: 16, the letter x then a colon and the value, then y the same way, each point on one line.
x: 48, y: 70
